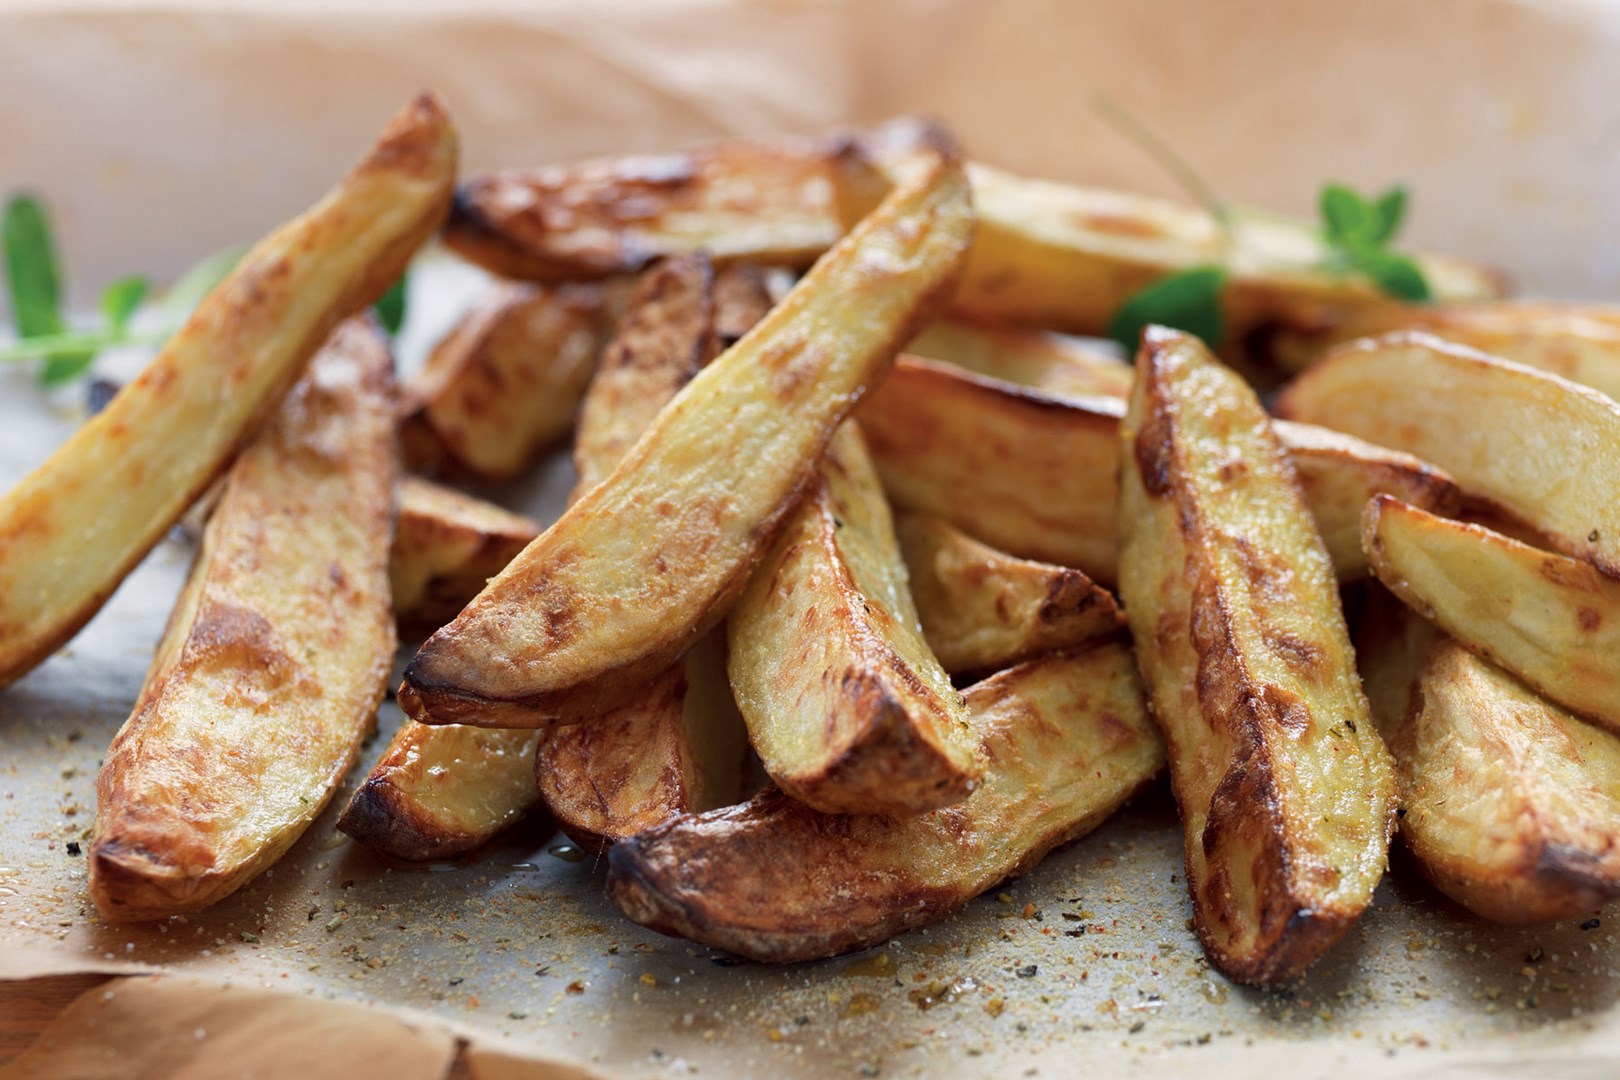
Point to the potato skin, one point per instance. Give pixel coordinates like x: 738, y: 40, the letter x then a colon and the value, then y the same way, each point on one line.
x: 275, y: 658
x: 1285, y: 790
x: 447, y: 545
x: 636, y: 570
x: 1067, y: 740
x: 76, y: 526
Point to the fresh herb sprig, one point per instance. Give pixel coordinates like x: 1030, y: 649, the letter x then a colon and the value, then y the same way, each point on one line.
x: 34, y: 288
x: 1358, y: 232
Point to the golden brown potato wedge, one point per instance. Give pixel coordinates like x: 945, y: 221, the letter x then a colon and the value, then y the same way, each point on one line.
x: 1551, y: 620
x: 1511, y: 805
x: 1459, y: 408
x: 1027, y: 357
x: 1579, y: 343
x: 1068, y: 742
x: 506, y: 381
x: 636, y: 570
x: 72, y: 529
x: 1285, y: 789
x: 982, y: 609
x: 1036, y: 474
x: 276, y: 656
x: 773, y: 202
x: 678, y: 744
x: 447, y: 545
x: 847, y: 707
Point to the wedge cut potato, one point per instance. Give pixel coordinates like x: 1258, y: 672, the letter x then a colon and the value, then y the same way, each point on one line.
x: 636, y: 570
x: 1458, y: 408
x: 677, y: 746
x: 1032, y: 358
x: 447, y: 545
x: 1068, y: 742
x: 1285, y: 789
x: 677, y: 743
x: 1579, y: 343
x: 1065, y: 257
x: 506, y: 381
x: 1512, y: 805
x: 773, y: 202
x: 1551, y: 620
x: 847, y: 707
x: 1036, y: 474
x: 982, y: 609
x: 276, y: 656
x: 72, y: 529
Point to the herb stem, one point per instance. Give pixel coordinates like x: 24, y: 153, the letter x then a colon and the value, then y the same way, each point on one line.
x: 1196, y: 187
x: 75, y: 341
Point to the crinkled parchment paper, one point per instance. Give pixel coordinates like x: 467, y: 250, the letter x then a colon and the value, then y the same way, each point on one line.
x: 339, y: 962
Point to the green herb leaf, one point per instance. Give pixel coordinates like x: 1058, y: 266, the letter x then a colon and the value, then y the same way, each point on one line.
x: 1344, y: 216
x: 1389, y: 210
x: 1358, y: 232
x: 65, y: 367
x: 1396, y: 274
x: 1188, y: 300
x: 120, y: 299
x: 31, y: 274
x: 391, y: 308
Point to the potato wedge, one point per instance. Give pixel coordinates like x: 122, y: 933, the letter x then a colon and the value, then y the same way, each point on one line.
x: 506, y: 381
x: 73, y: 528
x: 847, y: 708
x: 1285, y: 789
x: 1032, y: 358
x: 775, y: 881
x: 776, y: 202
x: 982, y: 609
x: 1512, y: 805
x: 636, y: 570
x: 1454, y: 406
x: 1579, y: 343
x: 447, y: 545
x: 276, y: 656
x: 1551, y: 620
x: 1035, y: 473
x: 678, y: 744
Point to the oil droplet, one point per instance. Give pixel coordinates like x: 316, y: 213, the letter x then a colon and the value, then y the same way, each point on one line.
x: 566, y: 852
x: 873, y: 967
x: 1214, y: 992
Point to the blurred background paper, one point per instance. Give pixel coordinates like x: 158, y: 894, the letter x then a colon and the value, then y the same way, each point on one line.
x: 161, y: 130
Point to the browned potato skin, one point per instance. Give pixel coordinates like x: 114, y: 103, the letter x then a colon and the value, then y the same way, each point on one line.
x: 773, y: 202
x: 678, y: 743
x: 983, y: 609
x: 1512, y: 805
x: 1580, y: 343
x: 636, y: 570
x: 1036, y: 474
x: 1285, y: 789
x: 276, y: 656
x: 79, y: 523
x: 1067, y: 741
x: 1550, y: 620
x: 447, y: 545
x: 1032, y: 358
x: 847, y: 708
x: 505, y: 383
x: 1454, y: 406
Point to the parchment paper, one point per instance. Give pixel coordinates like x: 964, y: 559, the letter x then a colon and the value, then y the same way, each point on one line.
x: 1085, y: 965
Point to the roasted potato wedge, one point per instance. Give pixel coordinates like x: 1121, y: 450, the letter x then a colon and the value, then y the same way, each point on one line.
x: 1454, y: 406
x: 678, y: 744
x: 1068, y: 743
x: 982, y: 609
x: 1285, y: 789
x: 505, y: 383
x: 636, y: 570
x: 1032, y: 358
x: 1036, y: 474
x: 847, y: 707
x: 276, y: 656
x: 72, y: 529
x: 772, y: 202
x: 1512, y: 805
x: 1551, y: 620
x: 447, y: 545
x: 1579, y: 343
